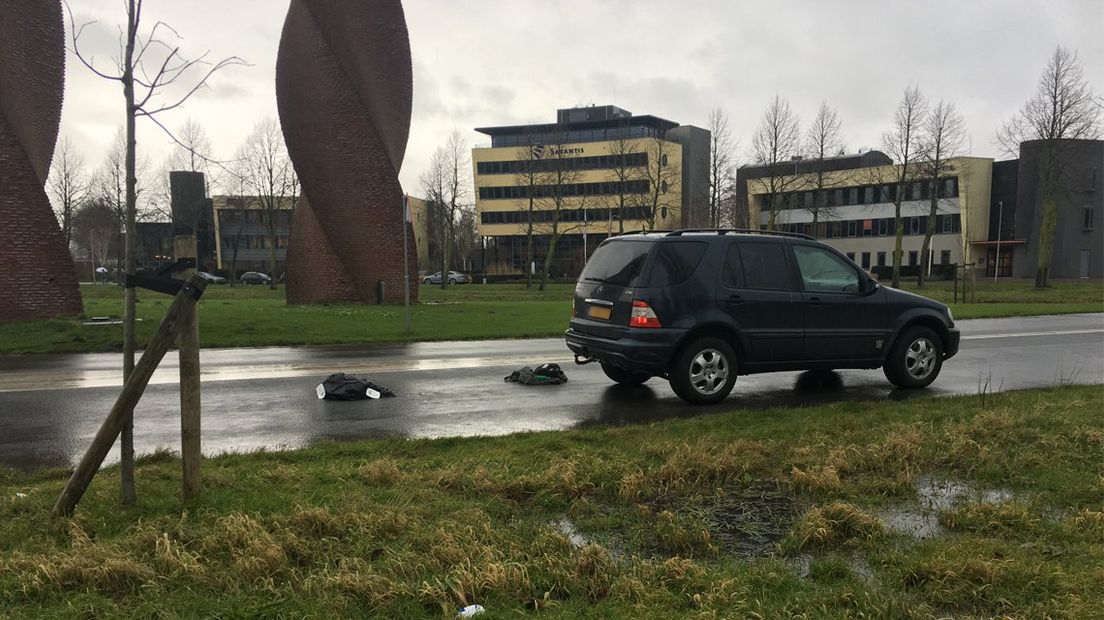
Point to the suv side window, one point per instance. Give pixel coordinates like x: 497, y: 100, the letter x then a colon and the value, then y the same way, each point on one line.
x: 732, y: 272
x: 676, y: 261
x: 764, y: 266
x: 824, y: 272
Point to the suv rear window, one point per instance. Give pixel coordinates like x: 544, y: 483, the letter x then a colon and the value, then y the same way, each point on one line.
x: 618, y: 263
x: 675, y: 262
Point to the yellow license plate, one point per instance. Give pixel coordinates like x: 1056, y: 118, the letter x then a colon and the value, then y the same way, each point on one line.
x: 598, y: 312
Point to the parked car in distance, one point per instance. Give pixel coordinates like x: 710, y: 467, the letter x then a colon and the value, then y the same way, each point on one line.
x: 211, y: 278
x: 255, y: 277
x: 454, y: 277
x: 699, y: 307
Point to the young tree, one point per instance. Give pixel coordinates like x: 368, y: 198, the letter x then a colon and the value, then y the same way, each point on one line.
x: 722, y: 168
x: 624, y: 151
x: 902, y: 142
x: 664, y: 178
x: 943, y: 136
x: 147, y: 67
x: 267, y: 171
x: 68, y: 185
x: 95, y: 230
x: 776, y: 143
x: 822, y: 141
x: 559, y: 195
x: 445, y: 185
x: 529, y: 176
x: 1064, y: 108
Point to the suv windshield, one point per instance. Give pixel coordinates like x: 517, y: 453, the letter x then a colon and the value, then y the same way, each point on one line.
x: 617, y: 262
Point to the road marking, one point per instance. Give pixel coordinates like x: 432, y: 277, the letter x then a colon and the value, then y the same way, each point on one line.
x: 1071, y: 332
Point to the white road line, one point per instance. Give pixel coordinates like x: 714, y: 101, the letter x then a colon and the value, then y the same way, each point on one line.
x: 1071, y: 332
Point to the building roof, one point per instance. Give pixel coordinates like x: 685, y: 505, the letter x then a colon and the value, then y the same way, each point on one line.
x: 645, y: 120
x: 847, y: 161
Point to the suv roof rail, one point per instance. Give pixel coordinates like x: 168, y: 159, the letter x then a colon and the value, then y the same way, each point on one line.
x: 740, y: 231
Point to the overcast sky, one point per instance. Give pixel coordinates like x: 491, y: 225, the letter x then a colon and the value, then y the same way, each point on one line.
x: 482, y: 62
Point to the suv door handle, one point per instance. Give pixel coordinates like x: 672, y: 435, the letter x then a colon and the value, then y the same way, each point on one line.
x: 734, y: 300
x: 814, y: 301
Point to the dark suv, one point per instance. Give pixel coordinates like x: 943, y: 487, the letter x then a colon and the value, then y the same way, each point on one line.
x: 698, y: 307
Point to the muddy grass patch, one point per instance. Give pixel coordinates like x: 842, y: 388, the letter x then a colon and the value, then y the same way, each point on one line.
x: 920, y: 519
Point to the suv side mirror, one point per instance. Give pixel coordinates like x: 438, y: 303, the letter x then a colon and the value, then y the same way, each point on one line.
x: 870, y: 285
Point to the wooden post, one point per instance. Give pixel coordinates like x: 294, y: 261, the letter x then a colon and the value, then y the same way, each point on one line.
x: 155, y: 351
x: 190, y: 402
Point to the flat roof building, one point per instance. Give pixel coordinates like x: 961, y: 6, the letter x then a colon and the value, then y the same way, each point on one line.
x: 596, y: 171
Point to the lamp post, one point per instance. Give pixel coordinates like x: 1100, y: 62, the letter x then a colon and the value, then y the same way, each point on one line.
x: 1000, y: 227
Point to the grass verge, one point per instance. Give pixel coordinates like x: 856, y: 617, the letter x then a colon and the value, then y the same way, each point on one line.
x: 740, y: 514
x: 255, y: 316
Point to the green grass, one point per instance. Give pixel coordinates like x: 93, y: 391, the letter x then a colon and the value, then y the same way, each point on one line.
x: 256, y: 316
x: 399, y: 529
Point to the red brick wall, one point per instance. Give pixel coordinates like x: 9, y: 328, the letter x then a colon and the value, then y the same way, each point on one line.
x: 37, y: 279
x: 344, y: 86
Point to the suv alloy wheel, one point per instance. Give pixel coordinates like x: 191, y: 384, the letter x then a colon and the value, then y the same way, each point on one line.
x: 704, y: 371
x: 916, y: 358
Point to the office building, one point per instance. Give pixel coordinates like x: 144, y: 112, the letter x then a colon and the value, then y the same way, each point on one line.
x: 596, y: 171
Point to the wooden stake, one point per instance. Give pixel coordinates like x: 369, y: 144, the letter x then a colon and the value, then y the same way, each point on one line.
x: 155, y: 351
x: 190, y: 401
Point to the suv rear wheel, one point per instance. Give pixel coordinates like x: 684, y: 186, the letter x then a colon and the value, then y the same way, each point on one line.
x: 704, y: 371
x: 624, y: 377
x: 916, y: 358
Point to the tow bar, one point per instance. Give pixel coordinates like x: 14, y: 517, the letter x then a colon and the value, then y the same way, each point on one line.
x: 584, y: 361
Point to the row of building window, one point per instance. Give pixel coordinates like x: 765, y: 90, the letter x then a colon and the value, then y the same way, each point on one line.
x: 598, y: 162
x: 913, y: 258
x: 253, y: 242
x: 607, y: 188
x: 863, y: 195
x: 566, y: 215
x: 576, y: 136
x: 882, y: 227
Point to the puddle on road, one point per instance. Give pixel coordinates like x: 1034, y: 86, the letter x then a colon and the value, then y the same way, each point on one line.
x: 920, y: 519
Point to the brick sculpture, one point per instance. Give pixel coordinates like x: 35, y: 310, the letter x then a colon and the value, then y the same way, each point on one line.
x: 344, y: 87
x: 37, y: 277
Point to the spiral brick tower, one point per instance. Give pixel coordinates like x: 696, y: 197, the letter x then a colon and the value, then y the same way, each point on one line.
x: 344, y: 86
x: 37, y: 277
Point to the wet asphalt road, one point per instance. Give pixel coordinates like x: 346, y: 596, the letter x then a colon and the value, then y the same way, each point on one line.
x: 51, y: 406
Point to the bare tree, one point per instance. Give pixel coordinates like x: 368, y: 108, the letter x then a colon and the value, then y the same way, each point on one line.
x: 722, y: 168
x: 625, y: 167
x: 529, y: 177
x: 664, y: 177
x: 822, y: 141
x: 95, y: 232
x: 69, y: 185
x: 147, y: 67
x: 560, y: 195
x: 445, y: 185
x: 1063, y: 108
x: 943, y: 136
x: 266, y: 169
x: 109, y: 187
x: 902, y: 142
x: 776, y: 144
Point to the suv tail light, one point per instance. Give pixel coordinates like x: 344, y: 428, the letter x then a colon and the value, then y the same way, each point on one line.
x: 643, y: 316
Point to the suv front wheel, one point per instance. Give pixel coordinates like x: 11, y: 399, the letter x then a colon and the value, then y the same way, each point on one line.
x: 916, y: 358
x: 704, y: 371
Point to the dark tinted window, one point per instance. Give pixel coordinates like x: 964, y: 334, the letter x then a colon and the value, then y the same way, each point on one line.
x: 617, y: 263
x: 732, y: 274
x: 676, y: 261
x: 765, y: 266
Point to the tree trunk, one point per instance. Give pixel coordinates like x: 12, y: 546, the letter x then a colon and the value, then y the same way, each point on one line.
x: 446, y: 245
x: 126, y: 441
x: 925, y: 250
x: 1046, y: 238
x: 529, y: 243
x: 548, y: 259
x: 899, y: 224
x: 272, y: 257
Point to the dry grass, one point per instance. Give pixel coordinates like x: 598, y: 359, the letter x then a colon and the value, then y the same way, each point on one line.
x: 835, y: 524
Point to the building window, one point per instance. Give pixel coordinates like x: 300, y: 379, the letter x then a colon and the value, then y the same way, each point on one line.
x: 913, y: 256
x: 851, y: 256
x: 868, y: 195
x: 881, y: 259
x: 945, y: 257
x: 853, y: 228
x: 866, y: 260
x: 1088, y: 222
x: 914, y: 225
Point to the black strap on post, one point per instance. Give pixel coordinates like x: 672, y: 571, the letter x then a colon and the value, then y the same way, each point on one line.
x: 161, y: 282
